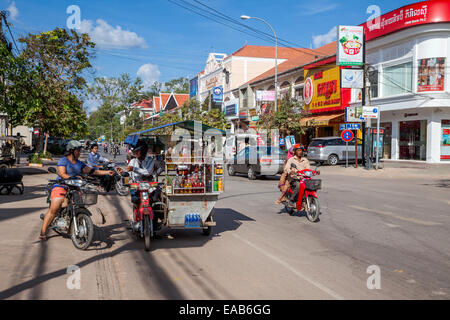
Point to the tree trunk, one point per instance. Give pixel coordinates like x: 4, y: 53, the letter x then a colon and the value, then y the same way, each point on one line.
x: 39, y: 142
x: 45, y: 144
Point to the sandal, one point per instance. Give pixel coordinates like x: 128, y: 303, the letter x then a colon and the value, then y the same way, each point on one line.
x: 43, y: 238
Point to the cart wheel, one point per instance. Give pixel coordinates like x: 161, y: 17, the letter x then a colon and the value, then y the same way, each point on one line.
x: 207, y: 231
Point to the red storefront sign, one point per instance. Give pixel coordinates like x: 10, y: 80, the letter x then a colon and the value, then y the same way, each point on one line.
x: 424, y: 12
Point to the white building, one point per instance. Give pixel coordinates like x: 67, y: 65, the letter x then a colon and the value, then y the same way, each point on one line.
x: 409, y: 55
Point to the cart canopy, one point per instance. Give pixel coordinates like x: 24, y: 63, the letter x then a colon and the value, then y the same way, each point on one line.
x: 190, y: 125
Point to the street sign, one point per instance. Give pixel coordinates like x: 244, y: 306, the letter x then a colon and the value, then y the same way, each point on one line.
x: 350, y: 126
x: 36, y: 132
x: 370, y: 112
x: 347, y: 135
x: 353, y: 114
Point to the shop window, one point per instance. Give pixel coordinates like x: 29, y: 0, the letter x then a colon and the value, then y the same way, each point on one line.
x: 397, y: 79
x: 413, y: 140
x: 445, y: 140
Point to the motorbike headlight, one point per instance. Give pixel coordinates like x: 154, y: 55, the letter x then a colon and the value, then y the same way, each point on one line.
x: 144, y: 196
x: 75, y: 182
x: 144, y: 185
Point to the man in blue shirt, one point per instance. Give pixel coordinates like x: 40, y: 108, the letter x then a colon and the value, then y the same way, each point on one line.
x: 94, y: 158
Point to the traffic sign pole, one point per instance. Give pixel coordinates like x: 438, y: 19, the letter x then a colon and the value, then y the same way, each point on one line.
x: 346, y: 156
x: 356, y: 149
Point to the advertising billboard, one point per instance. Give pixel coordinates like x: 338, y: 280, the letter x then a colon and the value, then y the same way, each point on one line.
x: 350, y: 45
x: 322, y: 90
x: 431, y: 74
x: 193, y: 87
x: 352, y: 78
x: 217, y: 93
x: 263, y: 95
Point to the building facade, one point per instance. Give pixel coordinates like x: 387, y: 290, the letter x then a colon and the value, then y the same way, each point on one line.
x: 408, y: 53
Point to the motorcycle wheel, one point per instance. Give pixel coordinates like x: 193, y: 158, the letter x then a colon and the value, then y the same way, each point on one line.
x: 86, y: 231
x: 121, y: 189
x: 147, y: 232
x: 313, y: 212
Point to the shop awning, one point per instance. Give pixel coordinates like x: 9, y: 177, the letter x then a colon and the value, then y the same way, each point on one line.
x: 319, y: 120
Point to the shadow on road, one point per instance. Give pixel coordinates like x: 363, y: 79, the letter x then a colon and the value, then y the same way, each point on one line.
x: 29, y: 193
x: 440, y: 184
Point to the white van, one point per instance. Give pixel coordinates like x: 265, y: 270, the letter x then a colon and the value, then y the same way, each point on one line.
x: 237, y: 142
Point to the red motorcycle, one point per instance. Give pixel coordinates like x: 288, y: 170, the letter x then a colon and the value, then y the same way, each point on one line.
x: 144, y: 196
x: 302, y: 194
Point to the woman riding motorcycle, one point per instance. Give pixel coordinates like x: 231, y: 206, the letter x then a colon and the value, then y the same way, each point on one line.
x: 289, y: 173
x: 68, y: 167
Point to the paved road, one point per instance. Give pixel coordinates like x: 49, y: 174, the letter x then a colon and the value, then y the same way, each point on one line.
x: 256, y: 252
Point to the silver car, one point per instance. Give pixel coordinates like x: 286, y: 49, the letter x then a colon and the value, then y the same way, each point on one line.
x: 332, y: 150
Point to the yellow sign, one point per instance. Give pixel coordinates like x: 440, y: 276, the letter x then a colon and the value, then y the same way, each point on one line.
x: 324, y: 88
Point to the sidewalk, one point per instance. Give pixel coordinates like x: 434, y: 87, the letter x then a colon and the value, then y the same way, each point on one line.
x: 392, y: 170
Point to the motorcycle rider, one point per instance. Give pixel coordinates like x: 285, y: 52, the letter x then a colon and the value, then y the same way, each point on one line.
x: 143, y: 167
x: 300, y: 162
x: 95, y: 158
x: 68, y: 167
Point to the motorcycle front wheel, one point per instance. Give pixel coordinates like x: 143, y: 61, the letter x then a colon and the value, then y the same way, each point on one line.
x: 83, y: 239
x: 312, y: 209
x: 121, y: 189
x: 147, y: 232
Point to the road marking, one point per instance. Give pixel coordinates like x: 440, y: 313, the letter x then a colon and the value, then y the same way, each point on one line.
x: 392, y: 225
x: 390, y: 214
x: 294, y: 271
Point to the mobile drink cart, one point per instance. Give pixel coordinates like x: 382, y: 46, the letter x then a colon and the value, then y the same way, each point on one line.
x: 193, y: 180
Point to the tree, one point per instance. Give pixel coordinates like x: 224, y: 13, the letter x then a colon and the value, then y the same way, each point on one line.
x: 286, y: 119
x: 116, y: 96
x: 180, y: 85
x: 46, y: 83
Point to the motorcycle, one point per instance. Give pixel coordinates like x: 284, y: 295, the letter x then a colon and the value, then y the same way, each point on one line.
x: 74, y: 219
x: 7, y: 161
x: 302, y: 194
x: 119, y: 181
x: 146, y: 197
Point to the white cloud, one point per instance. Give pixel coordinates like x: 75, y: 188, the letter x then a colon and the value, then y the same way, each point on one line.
x: 318, y: 8
x: 149, y: 73
x: 323, y: 39
x: 106, y: 36
x: 13, y: 11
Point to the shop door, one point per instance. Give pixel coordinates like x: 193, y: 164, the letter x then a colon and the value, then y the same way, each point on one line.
x: 387, y: 139
x: 413, y: 140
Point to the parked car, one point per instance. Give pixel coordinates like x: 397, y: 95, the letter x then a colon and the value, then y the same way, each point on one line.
x: 332, y: 150
x: 255, y: 161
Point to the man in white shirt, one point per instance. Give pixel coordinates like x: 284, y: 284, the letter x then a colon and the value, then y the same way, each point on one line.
x: 143, y: 167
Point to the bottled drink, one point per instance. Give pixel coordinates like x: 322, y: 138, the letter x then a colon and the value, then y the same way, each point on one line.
x: 216, y: 185
x: 220, y: 185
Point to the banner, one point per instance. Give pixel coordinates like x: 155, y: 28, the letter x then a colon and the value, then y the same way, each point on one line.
x: 431, y: 74
x: 262, y: 95
x: 350, y: 46
x: 218, y: 94
x: 193, y: 87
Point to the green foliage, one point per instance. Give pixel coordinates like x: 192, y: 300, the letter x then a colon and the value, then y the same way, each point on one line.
x: 286, y: 119
x: 34, y: 158
x: 180, y: 85
x: 44, y: 84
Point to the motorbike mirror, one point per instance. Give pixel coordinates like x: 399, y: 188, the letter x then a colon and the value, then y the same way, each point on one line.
x: 52, y: 170
x: 293, y: 165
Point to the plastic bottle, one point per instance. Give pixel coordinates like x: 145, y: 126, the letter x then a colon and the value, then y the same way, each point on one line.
x: 216, y: 185
x: 220, y: 185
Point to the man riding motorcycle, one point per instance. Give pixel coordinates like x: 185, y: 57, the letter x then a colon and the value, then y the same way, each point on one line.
x: 290, y: 173
x: 95, y: 158
x: 143, y: 167
x: 68, y: 167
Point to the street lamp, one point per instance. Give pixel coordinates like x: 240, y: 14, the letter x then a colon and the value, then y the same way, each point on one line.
x: 244, y: 17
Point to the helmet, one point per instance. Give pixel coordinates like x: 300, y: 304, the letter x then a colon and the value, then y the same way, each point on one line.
x: 72, y: 145
x: 299, y: 146
x: 140, y: 145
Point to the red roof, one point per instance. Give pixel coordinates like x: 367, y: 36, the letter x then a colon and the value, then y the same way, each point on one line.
x: 300, y: 58
x: 144, y: 103
x: 269, y: 52
x: 181, y: 98
x: 164, y: 98
x: 156, y: 104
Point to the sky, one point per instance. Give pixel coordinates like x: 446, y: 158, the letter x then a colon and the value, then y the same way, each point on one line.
x: 159, y: 40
